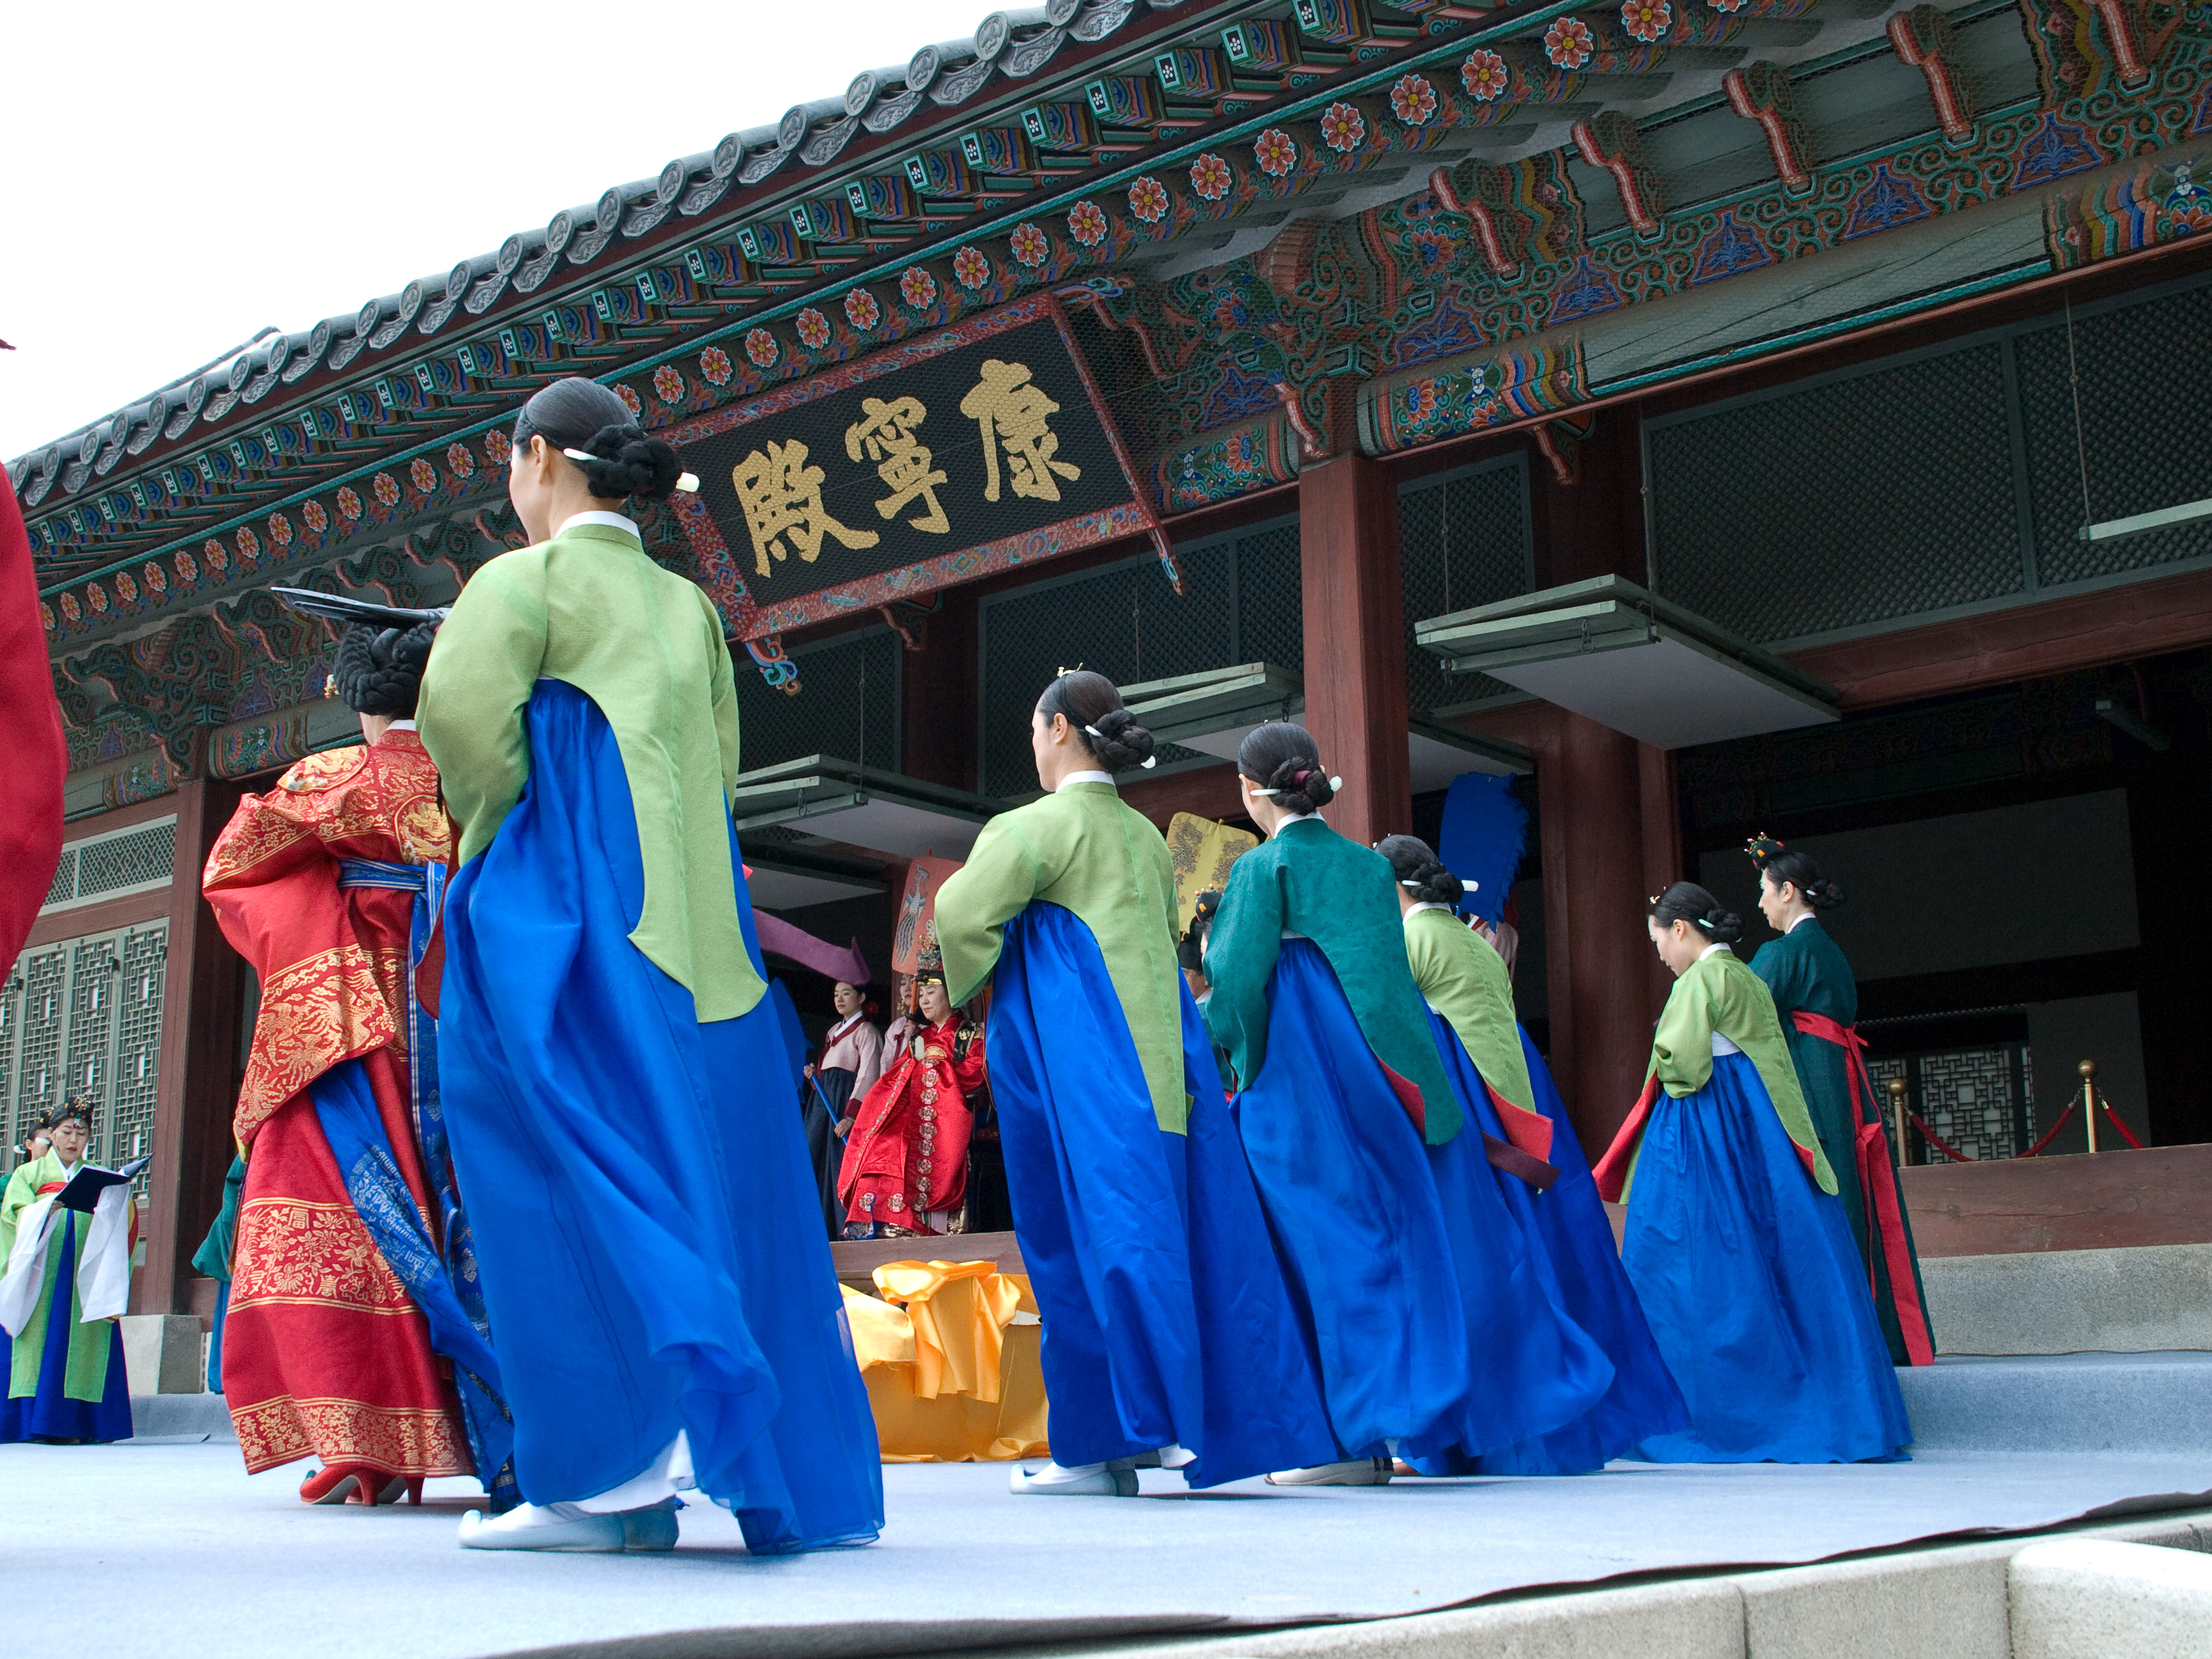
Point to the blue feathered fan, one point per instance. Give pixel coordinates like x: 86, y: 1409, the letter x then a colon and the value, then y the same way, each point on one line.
x: 1484, y: 832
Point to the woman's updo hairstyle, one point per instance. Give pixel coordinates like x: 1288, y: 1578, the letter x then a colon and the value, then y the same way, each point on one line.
x: 380, y: 669
x: 1190, y: 949
x: 1795, y: 870
x: 1092, y: 704
x: 1281, y: 758
x: 1685, y: 900
x: 1420, y: 872
x: 578, y: 414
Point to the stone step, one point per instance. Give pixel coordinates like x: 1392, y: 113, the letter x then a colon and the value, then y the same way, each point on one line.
x: 2147, y: 1298
x: 2053, y: 1403
x: 172, y: 1417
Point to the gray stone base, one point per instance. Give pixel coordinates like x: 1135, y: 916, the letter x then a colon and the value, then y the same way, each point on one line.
x: 2149, y: 1298
x: 165, y: 1353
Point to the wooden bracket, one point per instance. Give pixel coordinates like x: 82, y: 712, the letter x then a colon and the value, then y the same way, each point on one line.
x: 1611, y: 141
x: 1922, y: 38
x: 1760, y: 92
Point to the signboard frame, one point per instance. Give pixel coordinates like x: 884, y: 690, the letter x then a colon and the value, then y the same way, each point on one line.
x: 759, y: 625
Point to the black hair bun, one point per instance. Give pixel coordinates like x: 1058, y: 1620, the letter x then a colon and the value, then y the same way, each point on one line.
x: 628, y: 463
x: 1302, y: 785
x: 1822, y: 894
x: 1120, y: 741
x: 1720, y: 925
x: 380, y: 669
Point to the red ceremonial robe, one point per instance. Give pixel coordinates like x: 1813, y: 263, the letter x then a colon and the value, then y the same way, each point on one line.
x: 31, y: 805
x: 323, y: 1350
x: 908, y: 1154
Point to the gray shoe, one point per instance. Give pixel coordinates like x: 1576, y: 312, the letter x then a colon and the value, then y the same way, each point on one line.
x: 1352, y: 1472
x: 649, y: 1530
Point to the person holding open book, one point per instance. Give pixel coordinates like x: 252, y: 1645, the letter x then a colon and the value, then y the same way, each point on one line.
x: 67, y: 1277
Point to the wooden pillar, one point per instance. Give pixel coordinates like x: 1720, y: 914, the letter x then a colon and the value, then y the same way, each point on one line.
x: 197, y: 1093
x: 938, y: 694
x: 1355, y: 642
x: 1590, y: 792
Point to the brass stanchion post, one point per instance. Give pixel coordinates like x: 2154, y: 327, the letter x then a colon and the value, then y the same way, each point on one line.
x: 2088, y: 1070
x: 1897, y: 1114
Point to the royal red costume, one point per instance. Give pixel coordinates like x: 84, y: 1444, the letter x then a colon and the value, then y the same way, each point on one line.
x: 906, y: 1161
x: 323, y: 1349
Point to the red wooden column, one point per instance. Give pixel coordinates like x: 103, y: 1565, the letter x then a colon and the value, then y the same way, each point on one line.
x: 197, y: 1093
x: 1355, y: 648
x: 1590, y: 794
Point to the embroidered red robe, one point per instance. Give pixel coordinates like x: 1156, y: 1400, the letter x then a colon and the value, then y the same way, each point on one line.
x: 907, y: 1157
x: 323, y: 1351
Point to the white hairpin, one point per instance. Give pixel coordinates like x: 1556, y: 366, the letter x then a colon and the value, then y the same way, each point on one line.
x: 686, y: 481
x: 1409, y: 883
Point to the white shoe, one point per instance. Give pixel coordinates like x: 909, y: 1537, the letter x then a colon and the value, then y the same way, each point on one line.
x: 1352, y: 1472
x: 1176, y: 1457
x: 535, y: 1526
x: 1088, y: 1480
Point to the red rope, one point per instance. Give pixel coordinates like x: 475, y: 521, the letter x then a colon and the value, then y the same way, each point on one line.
x: 1936, y: 1140
x: 2063, y: 1117
x: 2126, y: 1133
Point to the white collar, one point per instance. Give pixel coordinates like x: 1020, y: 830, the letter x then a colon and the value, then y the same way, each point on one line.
x: 846, y: 1025
x: 1295, y: 818
x: 1427, y: 905
x: 612, y: 520
x: 1106, y: 778
x: 401, y: 726
x: 1714, y: 949
x: 1797, y: 922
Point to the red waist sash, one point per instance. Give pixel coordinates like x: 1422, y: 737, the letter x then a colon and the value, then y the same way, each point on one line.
x: 1885, y: 1210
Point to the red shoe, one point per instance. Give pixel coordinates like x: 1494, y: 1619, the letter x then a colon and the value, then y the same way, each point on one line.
x: 360, y: 1482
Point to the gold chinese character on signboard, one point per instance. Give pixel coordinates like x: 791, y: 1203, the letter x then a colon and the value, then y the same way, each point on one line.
x: 781, y: 494
x: 887, y: 437
x: 1013, y: 412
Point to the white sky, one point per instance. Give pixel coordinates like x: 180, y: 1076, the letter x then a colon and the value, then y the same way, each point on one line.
x: 184, y: 175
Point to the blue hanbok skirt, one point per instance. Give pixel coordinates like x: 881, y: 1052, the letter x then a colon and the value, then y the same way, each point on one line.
x: 1754, y: 1288
x: 1575, y: 1259
x: 1165, y: 1318
x: 50, y: 1414
x: 1404, y: 1336
x: 647, y: 1226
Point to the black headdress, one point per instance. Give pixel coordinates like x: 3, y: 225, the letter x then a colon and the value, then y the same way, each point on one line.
x: 381, y: 653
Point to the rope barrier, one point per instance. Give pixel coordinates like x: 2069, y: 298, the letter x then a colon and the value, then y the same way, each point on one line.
x: 2051, y: 1135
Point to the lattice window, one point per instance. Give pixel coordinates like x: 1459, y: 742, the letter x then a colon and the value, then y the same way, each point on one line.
x: 139, y: 1044
x: 1463, y: 539
x: 1123, y: 621
x: 11, y: 1026
x: 1982, y: 1101
x: 93, y: 970
x: 1850, y: 500
x: 139, y: 858
x: 129, y: 860
x: 847, y: 706
x: 2144, y: 424
x: 38, y: 1082
x: 1271, y: 604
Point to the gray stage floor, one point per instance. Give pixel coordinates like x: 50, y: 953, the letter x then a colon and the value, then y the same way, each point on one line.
x: 174, y: 1552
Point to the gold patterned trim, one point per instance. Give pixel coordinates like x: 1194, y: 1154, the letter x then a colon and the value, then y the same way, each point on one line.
x: 290, y: 1252
x: 314, y: 1013
x: 408, y: 1440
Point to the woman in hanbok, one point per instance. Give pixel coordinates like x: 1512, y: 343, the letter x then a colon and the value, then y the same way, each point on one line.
x: 1168, y: 1332
x: 1434, y: 1332
x: 68, y: 1277
x: 1735, y: 1243
x: 352, y: 1331
x: 905, y: 1170
x: 623, y: 1115
x: 1818, y: 1000
x: 1504, y: 1084
x: 852, y: 1059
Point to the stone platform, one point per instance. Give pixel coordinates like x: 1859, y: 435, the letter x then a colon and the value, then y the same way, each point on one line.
x: 224, y: 1564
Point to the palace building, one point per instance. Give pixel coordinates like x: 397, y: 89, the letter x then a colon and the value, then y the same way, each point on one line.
x: 1719, y: 416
